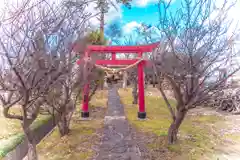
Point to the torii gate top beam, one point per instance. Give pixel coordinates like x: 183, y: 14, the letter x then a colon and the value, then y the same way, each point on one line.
x: 119, y: 49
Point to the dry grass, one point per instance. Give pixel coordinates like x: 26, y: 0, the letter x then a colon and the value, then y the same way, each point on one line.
x: 196, y: 139
x: 9, y: 127
x: 84, y: 135
x: 12, y: 134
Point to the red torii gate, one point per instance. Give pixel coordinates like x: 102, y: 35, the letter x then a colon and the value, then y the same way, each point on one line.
x: 119, y: 49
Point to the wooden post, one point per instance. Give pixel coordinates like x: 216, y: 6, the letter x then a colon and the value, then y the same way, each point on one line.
x: 105, y: 82
x: 141, y: 98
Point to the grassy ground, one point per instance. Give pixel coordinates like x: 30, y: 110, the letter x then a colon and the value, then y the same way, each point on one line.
x: 11, y: 131
x: 232, y: 137
x: 13, y: 135
x: 9, y: 127
x: 84, y: 135
x: 196, y: 139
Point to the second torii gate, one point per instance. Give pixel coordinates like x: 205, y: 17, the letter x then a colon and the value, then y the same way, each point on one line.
x: 120, y: 49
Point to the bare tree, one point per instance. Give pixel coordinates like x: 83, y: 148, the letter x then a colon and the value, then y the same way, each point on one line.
x: 63, y: 95
x: 196, y: 47
x: 32, y: 70
x: 62, y: 98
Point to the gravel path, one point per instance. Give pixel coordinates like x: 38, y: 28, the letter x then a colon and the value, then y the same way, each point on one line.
x: 117, y: 142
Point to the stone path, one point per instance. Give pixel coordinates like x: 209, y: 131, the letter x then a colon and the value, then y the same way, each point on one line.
x: 117, y: 142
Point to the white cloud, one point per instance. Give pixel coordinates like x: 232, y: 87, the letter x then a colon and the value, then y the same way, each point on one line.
x: 234, y: 15
x: 129, y: 27
x: 114, y: 13
x: 144, y: 3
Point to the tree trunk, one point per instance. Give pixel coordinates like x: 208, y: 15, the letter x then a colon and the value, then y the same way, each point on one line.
x: 102, y: 26
x: 124, y: 79
x: 102, y: 22
x: 94, y: 91
x: 173, y: 129
x: 144, y: 81
x: 135, y: 93
x: 63, y: 125
x: 154, y: 80
x: 32, y: 151
x: 29, y: 135
x: 102, y: 84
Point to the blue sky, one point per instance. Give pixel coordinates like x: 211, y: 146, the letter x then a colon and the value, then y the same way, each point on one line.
x: 146, y: 11
x: 142, y: 11
x: 147, y: 14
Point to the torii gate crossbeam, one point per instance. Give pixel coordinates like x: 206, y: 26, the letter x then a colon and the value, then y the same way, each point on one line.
x: 92, y: 49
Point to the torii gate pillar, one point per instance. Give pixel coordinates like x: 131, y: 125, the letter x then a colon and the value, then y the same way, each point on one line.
x: 141, y: 98
x: 85, y: 111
